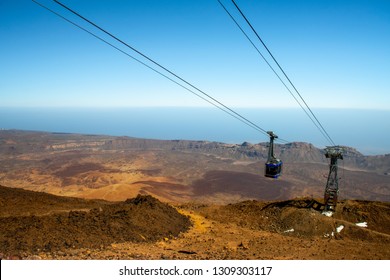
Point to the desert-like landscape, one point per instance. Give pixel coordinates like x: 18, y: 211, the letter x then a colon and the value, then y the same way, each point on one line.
x: 72, y: 196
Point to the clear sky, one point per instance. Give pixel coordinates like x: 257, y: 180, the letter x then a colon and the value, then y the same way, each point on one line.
x: 337, y: 53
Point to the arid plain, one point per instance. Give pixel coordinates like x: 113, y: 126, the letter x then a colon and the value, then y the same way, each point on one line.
x: 70, y: 196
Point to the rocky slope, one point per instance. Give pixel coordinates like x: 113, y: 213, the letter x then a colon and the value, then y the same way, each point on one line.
x: 143, y: 228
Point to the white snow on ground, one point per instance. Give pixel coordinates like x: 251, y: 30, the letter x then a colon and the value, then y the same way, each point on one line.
x: 327, y: 213
x: 289, y: 230
x: 362, y: 224
x: 339, y: 228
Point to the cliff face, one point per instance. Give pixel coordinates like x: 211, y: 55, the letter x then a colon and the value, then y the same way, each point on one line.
x: 13, y: 142
x: 116, y: 168
x: 296, y: 152
x: 221, y: 149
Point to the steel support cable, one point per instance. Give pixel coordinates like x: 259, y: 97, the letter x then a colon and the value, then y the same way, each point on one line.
x: 151, y: 68
x: 245, y: 120
x: 269, y: 65
x: 323, y: 131
x: 144, y: 64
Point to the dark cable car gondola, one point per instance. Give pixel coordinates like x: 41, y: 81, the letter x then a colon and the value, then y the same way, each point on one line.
x: 273, y: 166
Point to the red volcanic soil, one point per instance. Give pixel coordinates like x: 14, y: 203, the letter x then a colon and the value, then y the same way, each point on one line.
x: 145, y: 228
x: 141, y: 219
x: 75, y: 169
x: 241, y: 183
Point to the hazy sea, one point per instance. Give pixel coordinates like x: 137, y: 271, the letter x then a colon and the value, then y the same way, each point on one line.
x: 366, y: 130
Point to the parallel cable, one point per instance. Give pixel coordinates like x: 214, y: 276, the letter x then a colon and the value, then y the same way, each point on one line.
x: 270, y: 66
x: 323, y: 131
x: 144, y: 64
x: 217, y: 104
x: 164, y: 68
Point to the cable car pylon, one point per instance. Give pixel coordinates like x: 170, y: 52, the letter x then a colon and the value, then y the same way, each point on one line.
x: 273, y: 166
x: 332, y: 185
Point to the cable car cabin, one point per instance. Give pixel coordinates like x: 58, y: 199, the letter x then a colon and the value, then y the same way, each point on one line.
x: 273, y: 166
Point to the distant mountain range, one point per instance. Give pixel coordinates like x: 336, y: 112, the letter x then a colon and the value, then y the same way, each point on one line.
x: 292, y: 152
x: 16, y: 141
x: 118, y: 168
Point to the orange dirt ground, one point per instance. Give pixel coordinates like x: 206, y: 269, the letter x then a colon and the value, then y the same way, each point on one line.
x: 41, y: 226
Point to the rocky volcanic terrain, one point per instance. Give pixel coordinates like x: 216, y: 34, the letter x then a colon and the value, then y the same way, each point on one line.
x: 145, y: 228
x: 69, y: 196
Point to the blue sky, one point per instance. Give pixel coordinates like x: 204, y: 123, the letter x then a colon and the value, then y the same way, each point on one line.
x: 335, y: 52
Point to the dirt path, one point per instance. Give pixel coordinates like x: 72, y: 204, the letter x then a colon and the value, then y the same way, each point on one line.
x: 41, y: 226
x: 212, y: 239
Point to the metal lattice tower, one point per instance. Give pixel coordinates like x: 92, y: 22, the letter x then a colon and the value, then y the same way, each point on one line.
x: 332, y: 185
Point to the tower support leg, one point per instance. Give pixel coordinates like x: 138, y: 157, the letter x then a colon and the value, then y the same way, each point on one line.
x: 332, y: 185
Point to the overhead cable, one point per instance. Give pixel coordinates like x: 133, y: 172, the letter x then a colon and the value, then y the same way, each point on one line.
x: 151, y: 68
x: 316, y: 122
x: 245, y: 120
x: 270, y: 66
x: 210, y: 99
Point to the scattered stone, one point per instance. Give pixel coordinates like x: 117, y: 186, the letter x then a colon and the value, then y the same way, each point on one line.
x: 187, y: 252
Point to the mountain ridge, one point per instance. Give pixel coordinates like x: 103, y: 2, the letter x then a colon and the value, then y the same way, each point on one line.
x: 117, y: 168
x: 290, y: 152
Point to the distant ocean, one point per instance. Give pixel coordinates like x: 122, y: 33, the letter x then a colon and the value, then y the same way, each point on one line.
x: 366, y: 130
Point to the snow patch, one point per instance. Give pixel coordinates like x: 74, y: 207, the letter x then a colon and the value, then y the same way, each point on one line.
x: 289, y: 230
x: 326, y: 235
x: 327, y: 213
x: 339, y: 228
x: 362, y: 224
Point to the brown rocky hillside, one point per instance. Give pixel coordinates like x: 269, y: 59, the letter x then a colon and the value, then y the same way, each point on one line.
x: 145, y: 228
